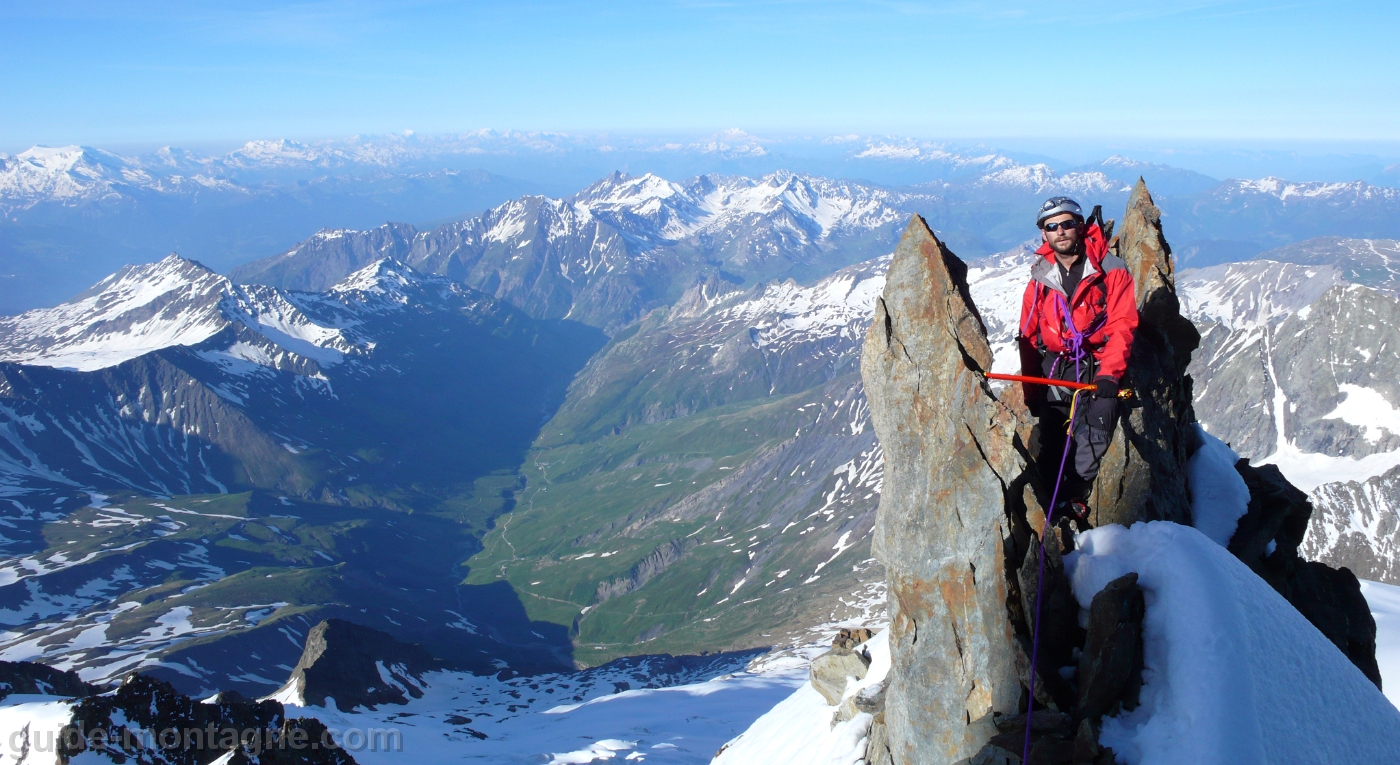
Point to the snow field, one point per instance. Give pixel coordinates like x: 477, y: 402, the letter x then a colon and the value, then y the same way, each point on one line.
x: 31, y: 722
x: 1233, y: 673
x: 800, y: 729
x: 680, y: 724
x: 1384, y: 600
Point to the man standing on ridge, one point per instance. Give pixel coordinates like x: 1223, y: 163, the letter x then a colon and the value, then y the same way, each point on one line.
x: 1078, y: 318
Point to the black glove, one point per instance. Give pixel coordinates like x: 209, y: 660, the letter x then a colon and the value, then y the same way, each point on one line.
x: 1105, y: 387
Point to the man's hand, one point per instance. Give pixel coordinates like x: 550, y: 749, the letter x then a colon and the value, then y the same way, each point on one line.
x: 1105, y: 387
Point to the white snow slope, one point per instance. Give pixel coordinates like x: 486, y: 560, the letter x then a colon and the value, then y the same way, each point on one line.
x: 1233, y: 673
x: 679, y: 724
x: 800, y: 730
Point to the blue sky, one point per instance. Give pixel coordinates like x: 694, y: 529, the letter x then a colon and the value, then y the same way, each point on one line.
x: 118, y: 72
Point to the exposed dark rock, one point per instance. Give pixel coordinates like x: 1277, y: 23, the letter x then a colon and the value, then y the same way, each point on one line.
x: 953, y: 455
x: 344, y: 661
x: 1042, y: 721
x: 870, y: 700
x: 147, y: 720
x: 1059, y: 619
x: 1110, y: 668
x: 1052, y: 751
x: 656, y: 562
x: 29, y: 677
x: 1330, y: 598
x: 830, y: 672
x: 850, y: 638
x: 994, y: 754
x: 1086, y: 742
x: 1143, y: 475
x: 1278, y: 513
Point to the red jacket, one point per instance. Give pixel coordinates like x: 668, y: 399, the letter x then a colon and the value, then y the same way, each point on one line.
x: 1105, y: 290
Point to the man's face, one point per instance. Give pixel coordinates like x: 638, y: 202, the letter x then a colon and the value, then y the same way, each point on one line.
x: 1064, y: 240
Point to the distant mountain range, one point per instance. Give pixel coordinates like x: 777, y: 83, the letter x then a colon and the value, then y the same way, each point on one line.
x: 623, y: 245
x: 74, y: 214
x: 1298, y: 366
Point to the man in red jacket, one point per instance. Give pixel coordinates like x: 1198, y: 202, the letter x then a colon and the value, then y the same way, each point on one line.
x: 1078, y: 318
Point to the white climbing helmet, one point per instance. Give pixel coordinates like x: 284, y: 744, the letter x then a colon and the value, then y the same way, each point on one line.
x: 1056, y: 206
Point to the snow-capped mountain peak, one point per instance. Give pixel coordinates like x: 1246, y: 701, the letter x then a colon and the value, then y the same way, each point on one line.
x: 64, y: 174
x: 385, y: 281
x: 657, y: 210
x: 170, y: 303
x: 1283, y: 190
x: 1254, y: 293
x: 135, y: 311
x: 275, y: 152
x: 1040, y: 179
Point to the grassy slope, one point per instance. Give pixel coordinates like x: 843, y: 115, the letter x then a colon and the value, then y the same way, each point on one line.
x: 697, y: 490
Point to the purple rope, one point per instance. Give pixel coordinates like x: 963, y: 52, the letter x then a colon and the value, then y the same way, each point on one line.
x: 1077, y: 353
x: 1040, y: 581
x: 1077, y: 338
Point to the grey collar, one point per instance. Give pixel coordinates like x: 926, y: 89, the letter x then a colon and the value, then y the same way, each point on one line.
x: 1048, y: 273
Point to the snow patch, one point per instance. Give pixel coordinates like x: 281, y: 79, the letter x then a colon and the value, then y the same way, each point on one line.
x: 1233, y: 673
x: 1219, y: 496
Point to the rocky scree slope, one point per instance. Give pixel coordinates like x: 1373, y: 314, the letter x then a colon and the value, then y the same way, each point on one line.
x: 962, y: 520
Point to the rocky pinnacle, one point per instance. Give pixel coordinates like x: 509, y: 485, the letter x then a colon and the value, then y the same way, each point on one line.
x: 1143, y: 476
x: 951, y: 454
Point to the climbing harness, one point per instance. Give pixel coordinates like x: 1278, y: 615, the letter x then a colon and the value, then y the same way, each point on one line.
x: 1076, y: 350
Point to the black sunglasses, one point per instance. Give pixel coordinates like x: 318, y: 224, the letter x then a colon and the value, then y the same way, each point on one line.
x: 1061, y: 224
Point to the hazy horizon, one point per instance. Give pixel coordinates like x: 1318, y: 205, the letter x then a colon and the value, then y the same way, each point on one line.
x: 1301, y: 161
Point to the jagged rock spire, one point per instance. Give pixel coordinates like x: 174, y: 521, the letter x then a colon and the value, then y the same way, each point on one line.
x: 1143, y: 474
x: 952, y: 452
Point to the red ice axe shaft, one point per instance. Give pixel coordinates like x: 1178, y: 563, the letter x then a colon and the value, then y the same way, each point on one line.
x: 1043, y: 381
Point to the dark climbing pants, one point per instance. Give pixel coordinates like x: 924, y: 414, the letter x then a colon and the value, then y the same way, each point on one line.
x: 1093, y: 429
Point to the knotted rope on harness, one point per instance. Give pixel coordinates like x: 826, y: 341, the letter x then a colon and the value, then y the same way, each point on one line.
x: 1075, y: 340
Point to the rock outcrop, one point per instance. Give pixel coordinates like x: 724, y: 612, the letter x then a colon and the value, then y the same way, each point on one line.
x: 961, y: 522
x: 29, y: 677
x: 1267, y: 540
x: 954, y: 454
x: 1143, y: 474
x: 358, y: 666
x: 147, y: 720
x: 831, y: 671
x: 1110, y: 666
